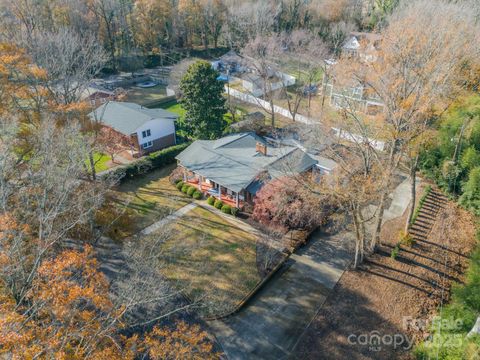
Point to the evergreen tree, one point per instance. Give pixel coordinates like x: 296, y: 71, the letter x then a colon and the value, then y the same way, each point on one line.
x: 203, y: 101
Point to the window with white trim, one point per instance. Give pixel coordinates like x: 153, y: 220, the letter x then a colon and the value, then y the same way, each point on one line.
x: 146, y: 133
x: 147, y: 145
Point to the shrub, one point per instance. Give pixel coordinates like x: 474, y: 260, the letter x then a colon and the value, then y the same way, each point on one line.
x: 180, y: 185
x: 218, y: 204
x: 227, y: 209
x: 406, y: 239
x: 191, y: 190
x: 234, y: 211
x: 185, y: 188
x: 176, y: 175
x: 147, y: 163
x: 211, y: 200
x: 197, y: 195
x: 395, y: 251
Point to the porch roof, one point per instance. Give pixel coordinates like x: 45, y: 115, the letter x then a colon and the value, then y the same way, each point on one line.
x: 233, y: 161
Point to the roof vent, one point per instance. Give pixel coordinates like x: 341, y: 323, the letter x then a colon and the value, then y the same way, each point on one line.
x: 261, y: 148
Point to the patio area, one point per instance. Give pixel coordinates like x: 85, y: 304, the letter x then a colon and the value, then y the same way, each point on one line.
x: 218, y: 191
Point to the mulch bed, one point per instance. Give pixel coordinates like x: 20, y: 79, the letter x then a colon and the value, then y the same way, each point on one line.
x: 381, y: 296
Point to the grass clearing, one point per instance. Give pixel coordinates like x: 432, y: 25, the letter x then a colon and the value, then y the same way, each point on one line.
x: 101, y: 162
x: 176, y: 108
x: 212, y: 259
x: 173, y: 107
x: 140, y: 202
x: 146, y: 96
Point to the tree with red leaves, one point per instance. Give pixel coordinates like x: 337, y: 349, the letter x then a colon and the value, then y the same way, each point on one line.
x: 283, y: 204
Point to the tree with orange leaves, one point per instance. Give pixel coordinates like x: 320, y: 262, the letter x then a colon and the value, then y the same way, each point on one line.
x: 422, y: 64
x: 69, y: 315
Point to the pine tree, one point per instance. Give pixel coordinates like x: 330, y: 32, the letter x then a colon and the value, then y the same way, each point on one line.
x: 203, y: 101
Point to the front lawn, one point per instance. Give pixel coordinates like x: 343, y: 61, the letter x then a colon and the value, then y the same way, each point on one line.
x: 173, y: 107
x: 212, y: 260
x: 140, y: 202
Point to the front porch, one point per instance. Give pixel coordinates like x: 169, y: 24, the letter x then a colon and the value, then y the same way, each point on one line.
x: 210, y: 188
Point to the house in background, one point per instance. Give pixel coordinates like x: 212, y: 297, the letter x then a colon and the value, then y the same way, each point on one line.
x: 236, y: 166
x: 240, y: 70
x: 148, y: 129
x: 362, y: 45
x: 97, y: 95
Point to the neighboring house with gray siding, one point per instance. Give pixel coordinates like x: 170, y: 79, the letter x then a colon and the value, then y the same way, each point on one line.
x: 149, y: 129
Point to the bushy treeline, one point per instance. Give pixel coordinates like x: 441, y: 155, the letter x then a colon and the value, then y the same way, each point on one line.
x: 453, y: 157
x: 136, y: 33
x: 449, y: 338
x: 150, y: 162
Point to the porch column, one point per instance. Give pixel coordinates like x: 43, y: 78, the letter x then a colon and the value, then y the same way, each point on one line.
x: 200, y: 180
x: 220, y: 192
x: 236, y: 201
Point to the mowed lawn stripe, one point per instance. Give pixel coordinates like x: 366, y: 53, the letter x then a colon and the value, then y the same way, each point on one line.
x: 212, y: 259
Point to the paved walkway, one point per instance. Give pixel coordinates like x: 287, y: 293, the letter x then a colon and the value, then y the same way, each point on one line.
x: 174, y: 216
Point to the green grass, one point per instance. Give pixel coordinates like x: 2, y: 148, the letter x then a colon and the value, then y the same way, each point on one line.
x: 177, y: 108
x: 174, y: 107
x: 101, y: 162
x: 211, y: 258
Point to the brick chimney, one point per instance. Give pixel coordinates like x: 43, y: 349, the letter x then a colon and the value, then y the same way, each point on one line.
x: 261, y: 148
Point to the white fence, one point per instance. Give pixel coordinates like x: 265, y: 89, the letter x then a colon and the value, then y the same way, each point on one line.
x: 265, y: 104
x: 376, y: 144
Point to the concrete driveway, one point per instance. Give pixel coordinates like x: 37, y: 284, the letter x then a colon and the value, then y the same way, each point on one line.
x: 269, y: 326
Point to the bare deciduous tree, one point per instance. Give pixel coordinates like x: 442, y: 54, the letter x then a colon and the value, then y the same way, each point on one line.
x: 44, y: 189
x: 71, y: 61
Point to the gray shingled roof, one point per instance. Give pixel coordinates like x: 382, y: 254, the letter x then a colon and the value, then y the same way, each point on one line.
x: 127, y: 117
x: 233, y: 161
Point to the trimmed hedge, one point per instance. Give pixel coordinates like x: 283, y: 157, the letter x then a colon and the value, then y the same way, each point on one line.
x: 180, y: 185
x: 218, y: 204
x: 148, y: 163
x: 234, y: 211
x: 227, y: 209
x: 197, y: 195
x: 191, y: 190
x: 185, y: 188
x: 211, y: 200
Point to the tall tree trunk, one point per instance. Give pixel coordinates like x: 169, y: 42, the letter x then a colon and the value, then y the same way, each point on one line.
x: 92, y: 166
x: 413, y: 192
x: 390, y: 169
x: 458, y: 145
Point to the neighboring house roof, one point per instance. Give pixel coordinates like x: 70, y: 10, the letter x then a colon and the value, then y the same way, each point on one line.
x: 127, y: 117
x: 231, y: 57
x: 233, y: 161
